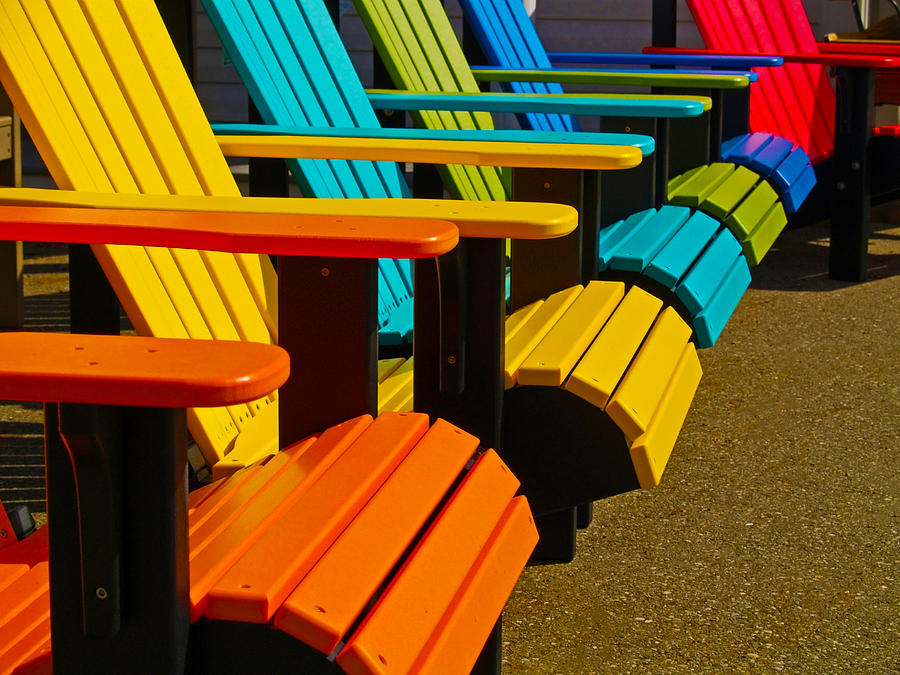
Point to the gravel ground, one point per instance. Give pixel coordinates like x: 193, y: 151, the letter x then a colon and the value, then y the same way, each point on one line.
x: 772, y: 544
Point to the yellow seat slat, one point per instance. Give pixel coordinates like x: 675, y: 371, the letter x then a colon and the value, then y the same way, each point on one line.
x: 519, y: 318
x: 651, y: 450
x: 255, y: 442
x: 540, y: 323
x: 75, y: 120
x: 634, y: 403
x: 600, y: 370
x: 386, y: 367
x: 553, y: 358
x: 395, y: 392
x: 104, y: 118
x: 198, y: 140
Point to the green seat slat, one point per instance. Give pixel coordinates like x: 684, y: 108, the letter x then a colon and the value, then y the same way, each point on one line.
x: 699, y: 184
x: 746, y: 218
x: 725, y: 198
x: 765, y: 234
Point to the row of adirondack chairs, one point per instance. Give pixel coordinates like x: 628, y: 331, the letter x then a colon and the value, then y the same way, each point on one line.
x: 583, y: 386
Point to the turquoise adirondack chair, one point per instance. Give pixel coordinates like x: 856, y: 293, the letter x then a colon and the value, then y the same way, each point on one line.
x: 289, y: 54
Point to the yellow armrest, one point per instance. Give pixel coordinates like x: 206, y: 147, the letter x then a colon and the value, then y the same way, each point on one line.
x: 481, y: 153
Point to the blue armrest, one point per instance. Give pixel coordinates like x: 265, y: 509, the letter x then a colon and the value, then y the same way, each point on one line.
x: 608, y: 105
x: 697, y: 60
x: 644, y: 143
x: 649, y: 76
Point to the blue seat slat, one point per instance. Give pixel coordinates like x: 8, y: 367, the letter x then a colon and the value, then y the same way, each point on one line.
x: 708, y: 325
x: 506, y: 43
x: 701, y: 282
x: 610, y: 238
x: 405, y: 270
x: 768, y: 158
x: 794, y: 197
x: 676, y: 257
x: 635, y: 254
x: 742, y: 148
x: 789, y: 170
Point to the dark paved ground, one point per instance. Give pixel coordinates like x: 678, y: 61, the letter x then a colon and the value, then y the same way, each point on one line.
x: 772, y: 544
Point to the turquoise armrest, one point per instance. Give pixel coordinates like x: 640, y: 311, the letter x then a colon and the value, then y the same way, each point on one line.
x: 644, y: 143
x: 601, y: 105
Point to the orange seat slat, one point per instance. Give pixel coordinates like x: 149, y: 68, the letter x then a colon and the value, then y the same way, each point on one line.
x: 19, y: 595
x: 139, y: 371
x: 39, y: 662
x: 228, y: 490
x: 257, y: 584
x: 325, y: 604
x: 198, y: 496
x: 25, y: 632
x: 393, y: 634
x: 9, y: 573
x: 231, y: 508
x: 464, y: 629
x: 302, y: 465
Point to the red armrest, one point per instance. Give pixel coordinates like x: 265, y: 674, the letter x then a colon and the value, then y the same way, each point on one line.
x: 857, y: 60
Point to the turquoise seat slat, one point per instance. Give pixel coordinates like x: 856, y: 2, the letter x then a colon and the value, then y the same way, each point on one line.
x: 405, y: 270
x: 314, y: 177
x: 704, y: 278
x: 319, y: 105
x: 266, y: 40
x: 646, y: 144
x: 291, y: 76
x: 614, y: 236
x: 636, y: 253
x: 709, y: 323
x: 675, y: 258
x: 333, y: 77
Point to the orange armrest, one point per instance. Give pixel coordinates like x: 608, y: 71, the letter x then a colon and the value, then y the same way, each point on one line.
x: 137, y: 371
x: 274, y: 233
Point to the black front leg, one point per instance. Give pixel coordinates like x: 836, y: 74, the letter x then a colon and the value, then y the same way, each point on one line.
x: 854, y: 121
